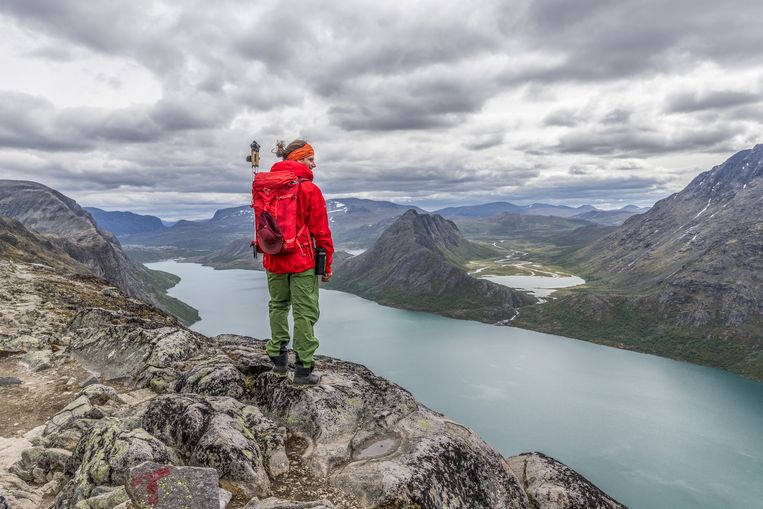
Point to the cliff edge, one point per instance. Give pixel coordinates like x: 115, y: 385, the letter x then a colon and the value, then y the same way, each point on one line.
x: 158, y: 392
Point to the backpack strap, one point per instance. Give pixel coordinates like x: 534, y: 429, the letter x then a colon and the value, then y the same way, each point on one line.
x: 304, y: 226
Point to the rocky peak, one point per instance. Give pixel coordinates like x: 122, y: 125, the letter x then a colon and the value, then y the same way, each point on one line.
x: 723, y: 182
x: 47, y: 211
x: 417, y: 264
x: 699, y: 248
x: 430, y: 231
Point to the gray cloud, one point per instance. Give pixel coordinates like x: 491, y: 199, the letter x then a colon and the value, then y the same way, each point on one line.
x: 563, y: 118
x: 401, y: 99
x: 109, y: 27
x: 600, y: 39
x: 686, y: 102
x: 393, y: 104
x: 643, y: 142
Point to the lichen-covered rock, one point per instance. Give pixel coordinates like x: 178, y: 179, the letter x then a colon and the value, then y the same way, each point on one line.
x: 371, y: 439
x: 278, y: 503
x: 245, y: 353
x: 111, y: 498
x: 119, y: 345
x: 22, y: 343
x: 213, y: 377
x: 104, y: 456
x: 37, y: 464
x: 80, y: 408
x: 432, y: 463
x: 170, y: 487
x: 552, y: 485
x: 221, y: 433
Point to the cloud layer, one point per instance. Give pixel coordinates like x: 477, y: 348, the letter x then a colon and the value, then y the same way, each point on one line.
x: 150, y: 106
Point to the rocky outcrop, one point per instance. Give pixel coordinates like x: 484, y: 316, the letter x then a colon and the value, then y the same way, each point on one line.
x: 416, y: 264
x: 550, y: 484
x: 181, y: 399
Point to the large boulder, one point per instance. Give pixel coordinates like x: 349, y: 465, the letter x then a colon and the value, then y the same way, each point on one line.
x: 222, y: 433
x: 553, y: 485
x: 170, y: 487
x: 216, y: 376
x: 104, y: 457
x: 372, y: 440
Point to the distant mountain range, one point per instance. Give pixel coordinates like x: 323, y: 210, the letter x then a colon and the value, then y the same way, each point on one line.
x: 684, y: 279
x: 54, y: 219
x: 125, y: 223
x: 587, y: 212
x: 417, y: 264
x: 355, y: 224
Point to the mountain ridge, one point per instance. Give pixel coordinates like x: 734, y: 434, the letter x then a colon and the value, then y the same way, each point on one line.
x: 60, y: 220
x: 415, y: 264
x: 684, y: 279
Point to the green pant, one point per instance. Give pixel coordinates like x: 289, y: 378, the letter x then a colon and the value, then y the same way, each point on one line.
x: 300, y: 291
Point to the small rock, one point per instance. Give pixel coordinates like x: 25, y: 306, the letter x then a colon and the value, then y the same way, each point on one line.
x: 71, y: 381
x: 38, y: 464
x: 90, y: 380
x: 50, y: 488
x: 99, y: 394
x: 225, y: 498
x: 110, y: 291
x: 168, y: 487
x: 9, y: 380
x: 37, y: 361
x: 34, y: 434
x: 105, y: 497
x: 22, y: 343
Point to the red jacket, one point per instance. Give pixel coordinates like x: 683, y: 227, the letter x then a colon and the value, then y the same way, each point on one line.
x: 311, y: 211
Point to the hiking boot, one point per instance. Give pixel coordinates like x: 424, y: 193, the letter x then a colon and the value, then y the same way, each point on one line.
x: 280, y: 363
x: 305, y: 376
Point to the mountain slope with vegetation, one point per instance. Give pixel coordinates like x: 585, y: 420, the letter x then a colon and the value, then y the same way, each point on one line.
x: 417, y: 264
x: 61, y: 222
x: 684, y: 279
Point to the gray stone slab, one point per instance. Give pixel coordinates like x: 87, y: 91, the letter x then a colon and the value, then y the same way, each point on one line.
x: 153, y: 485
x: 9, y: 380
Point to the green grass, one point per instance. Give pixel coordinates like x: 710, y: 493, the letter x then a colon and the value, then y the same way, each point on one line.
x: 618, y: 321
x: 162, y: 281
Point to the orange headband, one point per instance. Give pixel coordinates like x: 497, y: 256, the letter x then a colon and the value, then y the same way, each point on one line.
x: 301, y: 153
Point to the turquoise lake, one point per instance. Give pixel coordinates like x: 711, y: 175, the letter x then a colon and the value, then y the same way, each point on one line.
x: 651, y: 432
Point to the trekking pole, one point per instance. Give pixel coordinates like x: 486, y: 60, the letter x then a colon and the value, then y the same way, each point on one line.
x: 254, y: 158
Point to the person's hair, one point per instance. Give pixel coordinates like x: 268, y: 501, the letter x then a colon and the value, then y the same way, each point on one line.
x: 284, y: 151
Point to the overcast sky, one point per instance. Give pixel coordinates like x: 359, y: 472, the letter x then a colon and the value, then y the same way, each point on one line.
x: 150, y: 106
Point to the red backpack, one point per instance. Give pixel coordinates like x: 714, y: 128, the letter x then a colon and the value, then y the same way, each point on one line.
x: 274, y: 200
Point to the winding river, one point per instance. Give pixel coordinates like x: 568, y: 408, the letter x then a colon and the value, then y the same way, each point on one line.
x: 652, y: 432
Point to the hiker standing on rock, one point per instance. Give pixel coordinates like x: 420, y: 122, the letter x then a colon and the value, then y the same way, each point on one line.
x: 295, y: 209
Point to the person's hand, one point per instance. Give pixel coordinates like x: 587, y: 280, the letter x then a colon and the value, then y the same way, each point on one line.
x: 325, y: 278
